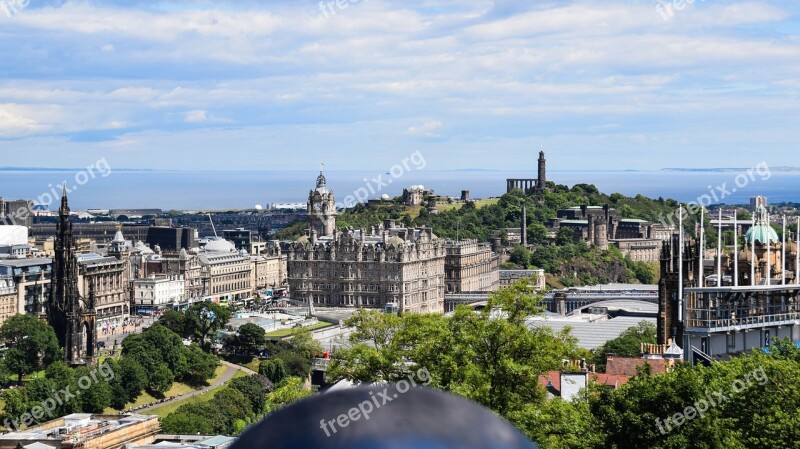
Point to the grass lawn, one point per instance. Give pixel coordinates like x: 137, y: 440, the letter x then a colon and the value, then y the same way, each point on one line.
x: 412, y: 212
x: 209, y: 395
x: 176, y: 390
x: 289, y: 331
x: 245, y: 361
x: 253, y: 365
x: 478, y: 204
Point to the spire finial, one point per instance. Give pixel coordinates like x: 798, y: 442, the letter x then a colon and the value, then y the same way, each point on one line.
x: 64, y: 203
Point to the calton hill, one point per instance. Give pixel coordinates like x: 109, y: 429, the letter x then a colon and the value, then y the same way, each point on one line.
x: 566, y: 262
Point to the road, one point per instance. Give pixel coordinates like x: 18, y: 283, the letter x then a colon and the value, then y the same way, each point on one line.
x: 229, y: 373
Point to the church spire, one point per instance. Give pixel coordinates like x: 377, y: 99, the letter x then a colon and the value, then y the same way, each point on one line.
x: 64, y: 210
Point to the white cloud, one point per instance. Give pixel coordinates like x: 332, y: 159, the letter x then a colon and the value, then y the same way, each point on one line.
x: 491, y: 70
x: 196, y: 116
x: 427, y: 129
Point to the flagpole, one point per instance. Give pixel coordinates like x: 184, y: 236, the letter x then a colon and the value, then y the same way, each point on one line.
x: 783, y: 254
x: 753, y: 252
x: 700, y: 275
x: 735, y: 250
x: 719, y: 249
x: 680, y: 264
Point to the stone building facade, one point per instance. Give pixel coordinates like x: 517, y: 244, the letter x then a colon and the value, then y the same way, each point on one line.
x: 226, y: 275
x: 470, y: 267
x: 108, y: 276
x: 387, y: 267
x: 157, y: 292
x: 268, y: 270
x: 600, y: 226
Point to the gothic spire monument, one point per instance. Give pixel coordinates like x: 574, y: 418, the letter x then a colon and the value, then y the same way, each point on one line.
x: 71, y: 316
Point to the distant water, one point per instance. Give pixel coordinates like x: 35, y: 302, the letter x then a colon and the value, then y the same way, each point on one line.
x: 244, y: 189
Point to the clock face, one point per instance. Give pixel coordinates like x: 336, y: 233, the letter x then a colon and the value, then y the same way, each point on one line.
x: 316, y: 207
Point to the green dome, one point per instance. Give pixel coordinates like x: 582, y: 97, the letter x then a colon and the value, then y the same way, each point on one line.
x: 762, y: 233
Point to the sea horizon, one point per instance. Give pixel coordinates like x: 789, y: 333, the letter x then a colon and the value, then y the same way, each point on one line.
x: 244, y: 189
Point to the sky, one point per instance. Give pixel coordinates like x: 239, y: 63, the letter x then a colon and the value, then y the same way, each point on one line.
x: 362, y: 84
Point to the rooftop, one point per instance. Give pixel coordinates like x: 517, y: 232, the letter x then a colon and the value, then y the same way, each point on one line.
x: 78, y: 427
x: 592, y: 331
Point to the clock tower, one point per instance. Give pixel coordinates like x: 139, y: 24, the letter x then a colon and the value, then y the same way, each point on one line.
x: 322, y: 209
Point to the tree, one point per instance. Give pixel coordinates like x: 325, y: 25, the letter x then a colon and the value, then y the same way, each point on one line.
x: 133, y: 377
x: 492, y: 359
x: 203, y: 319
x: 32, y: 344
x: 253, y: 390
x: 63, y: 377
x: 235, y: 404
x: 296, y: 352
x: 169, y: 347
x: 250, y: 338
x: 520, y: 256
x: 214, y: 414
x: 176, y: 322
x: 273, y: 369
x: 290, y: 390
x: 160, y: 381
x: 537, y: 233
x: 97, y: 397
x: 565, y: 236
x: 201, y: 365
x: 181, y: 422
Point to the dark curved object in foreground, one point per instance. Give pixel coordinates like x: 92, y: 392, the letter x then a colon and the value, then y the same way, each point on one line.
x: 383, y: 417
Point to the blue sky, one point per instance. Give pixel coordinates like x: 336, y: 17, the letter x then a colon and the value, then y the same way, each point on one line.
x: 471, y: 84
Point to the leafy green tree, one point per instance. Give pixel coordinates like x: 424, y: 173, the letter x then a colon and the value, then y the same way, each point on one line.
x: 97, y: 397
x: 201, y: 365
x: 520, y: 256
x: 493, y: 359
x: 160, y: 381
x: 39, y: 390
x: 250, y: 338
x: 290, y: 390
x: 182, y: 422
x: 273, y: 369
x: 253, y: 390
x: 133, y: 377
x: 176, y: 322
x: 235, y: 405
x: 203, y: 319
x: 296, y: 352
x: 63, y: 377
x: 16, y: 403
x: 537, y: 234
x: 136, y: 348
x: 32, y: 345
x: 169, y: 347
x: 565, y: 236
x: 215, y: 415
